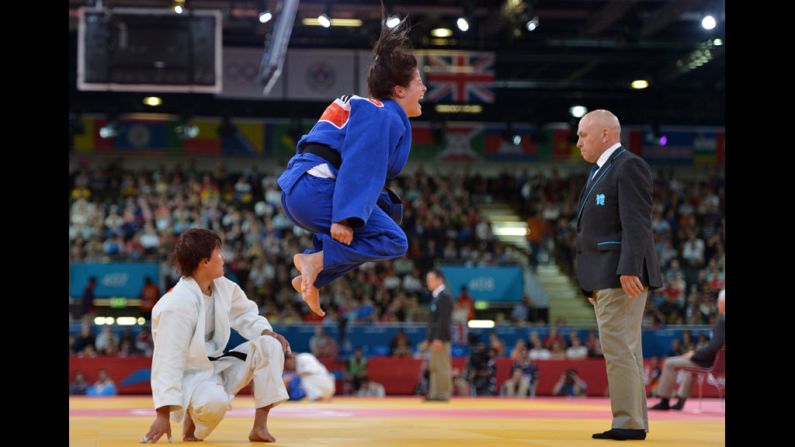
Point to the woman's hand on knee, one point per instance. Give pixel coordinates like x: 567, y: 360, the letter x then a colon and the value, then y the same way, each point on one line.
x: 285, y: 344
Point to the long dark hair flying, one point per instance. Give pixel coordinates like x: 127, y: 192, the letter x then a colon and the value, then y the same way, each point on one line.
x: 393, y: 64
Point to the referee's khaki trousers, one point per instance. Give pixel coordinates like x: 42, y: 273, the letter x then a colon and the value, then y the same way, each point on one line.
x: 441, y: 385
x: 619, y: 318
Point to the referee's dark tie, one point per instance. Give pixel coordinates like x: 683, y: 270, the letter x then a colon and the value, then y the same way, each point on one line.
x: 590, y: 174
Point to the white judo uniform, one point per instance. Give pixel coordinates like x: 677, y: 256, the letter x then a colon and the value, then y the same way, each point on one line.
x: 183, y: 376
x: 316, y: 381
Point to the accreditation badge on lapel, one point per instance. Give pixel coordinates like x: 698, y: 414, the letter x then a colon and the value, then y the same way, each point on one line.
x: 433, y: 307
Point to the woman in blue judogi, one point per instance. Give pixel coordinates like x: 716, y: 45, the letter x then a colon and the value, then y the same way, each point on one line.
x: 333, y: 185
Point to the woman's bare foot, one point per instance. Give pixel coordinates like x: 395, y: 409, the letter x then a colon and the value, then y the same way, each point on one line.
x: 314, y: 294
x: 259, y: 432
x: 188, y: 429
x: 309, y: 266
x: 260, y: 435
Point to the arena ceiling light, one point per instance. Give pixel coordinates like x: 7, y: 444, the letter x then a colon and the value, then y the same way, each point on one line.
x: 153, y: 101
x: 640, y: 84
x: 179, y: 6
x: 186, y: 130
x: 532, y: 24
x: 324, y: 20
x: 392, y: 21
x: 109, y: 130
x: 441, y: 32
x: 265, y: 17
x: 578, y: 111
x: 708, y: 22
x: 463, y: 24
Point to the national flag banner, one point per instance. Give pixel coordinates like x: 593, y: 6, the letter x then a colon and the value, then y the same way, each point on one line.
x: 677, y: 148
x: 462, y: 142
x: 458, y: 76
x: 562, y: 146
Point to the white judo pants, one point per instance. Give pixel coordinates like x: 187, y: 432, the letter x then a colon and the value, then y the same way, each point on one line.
x: 264, y: 365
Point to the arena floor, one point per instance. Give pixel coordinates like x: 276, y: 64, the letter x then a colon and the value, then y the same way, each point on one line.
x: 404, y: 421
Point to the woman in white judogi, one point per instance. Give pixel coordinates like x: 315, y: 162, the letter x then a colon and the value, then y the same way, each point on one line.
x: 192, y: 379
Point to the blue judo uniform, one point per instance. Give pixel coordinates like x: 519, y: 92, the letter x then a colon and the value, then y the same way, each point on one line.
x: 373, y: 139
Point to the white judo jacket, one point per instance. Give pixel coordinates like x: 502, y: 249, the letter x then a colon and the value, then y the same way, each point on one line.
x: 179, y: 361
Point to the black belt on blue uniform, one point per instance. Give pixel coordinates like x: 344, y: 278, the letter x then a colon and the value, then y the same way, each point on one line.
x: 387, y: 201
x: 327, y: 153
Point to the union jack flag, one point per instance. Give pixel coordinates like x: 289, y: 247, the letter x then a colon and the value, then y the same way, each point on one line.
x: 459, y: 76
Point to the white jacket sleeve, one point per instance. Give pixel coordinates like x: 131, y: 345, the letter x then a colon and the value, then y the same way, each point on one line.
x: 244, y: 315
x: 172, y: 331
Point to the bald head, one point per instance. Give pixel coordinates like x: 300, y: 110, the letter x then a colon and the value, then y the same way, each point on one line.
x: 597, y: 131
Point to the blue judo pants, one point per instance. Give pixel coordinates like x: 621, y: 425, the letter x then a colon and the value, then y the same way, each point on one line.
x: 309, y: 204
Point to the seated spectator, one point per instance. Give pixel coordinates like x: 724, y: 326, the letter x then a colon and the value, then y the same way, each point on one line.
x: 86, y: 339
x: 570, y: 384
x: 517, y: 348
x: 369, y: 388
x: 515, y: 386
x: 104, y: 386
x: 496, y: 344
x: 520, y: 313
x: 357, y: 368
x: 107, y: 342
x: 144, y: 342
x: 529, y: 371
x: 576, y: 351
x: 79, y: 385
x: 593, y: 345
x: 539, y: 352
x: 557, y: 352
x: 552, y: 337
x: 323, y: 345
x: 412, y: 282
x: 400, y: 346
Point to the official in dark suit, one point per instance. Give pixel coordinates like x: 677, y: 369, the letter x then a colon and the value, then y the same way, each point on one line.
x: 704, y: 357
x: 616, y: 263
x: 438, y: 337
